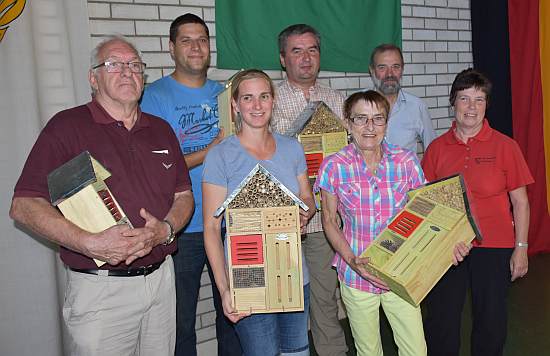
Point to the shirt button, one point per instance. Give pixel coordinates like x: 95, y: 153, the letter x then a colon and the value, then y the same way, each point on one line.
x: 467, y: 158
x: 465, y: 166
x: 467, y: 148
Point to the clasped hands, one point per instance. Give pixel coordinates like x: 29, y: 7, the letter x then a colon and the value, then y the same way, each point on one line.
x: 120, y: 243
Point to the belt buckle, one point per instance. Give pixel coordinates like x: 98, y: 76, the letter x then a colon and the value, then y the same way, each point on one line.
x: 145, y: 270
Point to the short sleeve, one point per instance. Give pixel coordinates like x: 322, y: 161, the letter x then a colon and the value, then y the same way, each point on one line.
x: 428, y: 132
x: 415, y: 173
x: 326, y: 177
x: 214, y: 168
x: 301, y: 166
x: 516, y: 169
x: 429, y: 164
x: 46, y: 155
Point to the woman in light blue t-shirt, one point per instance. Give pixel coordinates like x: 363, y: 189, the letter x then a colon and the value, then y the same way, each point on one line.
x: 225, y: 166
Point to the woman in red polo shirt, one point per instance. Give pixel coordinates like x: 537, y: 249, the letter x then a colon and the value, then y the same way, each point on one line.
x: 496, y: 174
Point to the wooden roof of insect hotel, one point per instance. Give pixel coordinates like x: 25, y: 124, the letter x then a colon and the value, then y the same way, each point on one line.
x: 260, y: 189
x: 316, y: 118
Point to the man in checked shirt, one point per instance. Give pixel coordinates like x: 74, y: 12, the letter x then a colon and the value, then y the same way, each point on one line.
x: 300, y: 49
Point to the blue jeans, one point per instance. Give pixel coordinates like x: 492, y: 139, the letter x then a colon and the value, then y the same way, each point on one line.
x: 189, y: 262
x: 276, y: 333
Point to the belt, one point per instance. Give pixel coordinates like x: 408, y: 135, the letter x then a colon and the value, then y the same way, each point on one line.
x: 132, y: 272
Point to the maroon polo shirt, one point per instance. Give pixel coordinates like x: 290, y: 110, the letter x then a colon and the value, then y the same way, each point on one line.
x: 146, y: 166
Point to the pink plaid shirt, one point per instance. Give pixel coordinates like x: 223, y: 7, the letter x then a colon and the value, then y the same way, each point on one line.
x: 366, y: 202
x: 289, y: 103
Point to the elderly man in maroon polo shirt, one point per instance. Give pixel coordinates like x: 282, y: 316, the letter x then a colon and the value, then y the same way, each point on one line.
x: 127, y: 306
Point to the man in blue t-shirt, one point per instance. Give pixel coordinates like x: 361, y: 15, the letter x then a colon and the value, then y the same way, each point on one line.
x: 187, y: 100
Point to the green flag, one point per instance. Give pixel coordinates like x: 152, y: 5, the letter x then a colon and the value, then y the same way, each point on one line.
x: 247, y: 30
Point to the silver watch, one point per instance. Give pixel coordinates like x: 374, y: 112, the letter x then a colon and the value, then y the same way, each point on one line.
x: 171, y: 234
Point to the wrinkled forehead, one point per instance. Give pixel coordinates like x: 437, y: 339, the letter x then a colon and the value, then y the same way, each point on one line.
x: 304, y: 40
x: 363, y: 106
x: 117, y: 49
x: 389, y: 56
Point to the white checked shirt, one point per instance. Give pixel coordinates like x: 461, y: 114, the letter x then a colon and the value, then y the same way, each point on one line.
x: 290, y: 102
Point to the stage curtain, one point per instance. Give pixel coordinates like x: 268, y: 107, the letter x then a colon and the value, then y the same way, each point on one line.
x: 527, y: 110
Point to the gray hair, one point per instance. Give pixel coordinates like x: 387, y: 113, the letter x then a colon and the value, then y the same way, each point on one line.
x: 383, y: 48
x: 298, y: 29
x: 94, y: 60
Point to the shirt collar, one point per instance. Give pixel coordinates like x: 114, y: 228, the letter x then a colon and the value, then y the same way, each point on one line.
x: 483, y: 135
x: 386, y: 151
x: 101, y: 116
x: 313, y: 88
x: 401, y: 96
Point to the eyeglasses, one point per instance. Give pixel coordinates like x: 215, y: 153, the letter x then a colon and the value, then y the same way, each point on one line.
x: 360, y: 120
x: 118, y: 67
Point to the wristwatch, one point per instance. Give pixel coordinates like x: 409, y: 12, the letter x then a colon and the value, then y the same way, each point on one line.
x: 522, y: 244
x: 171, y: 234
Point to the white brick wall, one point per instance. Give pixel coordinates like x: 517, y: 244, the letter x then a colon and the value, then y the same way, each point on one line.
x: 436, y: 46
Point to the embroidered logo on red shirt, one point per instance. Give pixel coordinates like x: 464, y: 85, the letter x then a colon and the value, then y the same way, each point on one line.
x: 485, y: 160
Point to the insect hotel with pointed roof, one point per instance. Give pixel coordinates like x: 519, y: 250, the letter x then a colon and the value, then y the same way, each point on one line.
x: 264, y: 253
x: 321, y: 133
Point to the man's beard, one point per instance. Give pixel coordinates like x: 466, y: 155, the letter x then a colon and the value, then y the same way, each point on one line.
x: 387, y: 86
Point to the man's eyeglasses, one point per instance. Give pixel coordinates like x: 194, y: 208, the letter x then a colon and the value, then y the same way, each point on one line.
x: 360, y: 120
x: 118, y: 67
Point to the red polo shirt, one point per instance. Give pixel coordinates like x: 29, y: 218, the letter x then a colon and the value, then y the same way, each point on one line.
x: 146, y: 165
x: 492, y: 165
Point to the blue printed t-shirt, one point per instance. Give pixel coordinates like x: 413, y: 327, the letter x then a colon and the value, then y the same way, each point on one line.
x: 228, y: 163
x: 193, y: 115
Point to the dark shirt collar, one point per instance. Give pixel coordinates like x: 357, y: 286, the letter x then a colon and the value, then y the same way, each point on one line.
x: 101, y: 116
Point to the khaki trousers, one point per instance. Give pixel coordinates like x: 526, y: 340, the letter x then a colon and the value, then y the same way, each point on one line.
x: 121, y: 315
x: 328, y: 335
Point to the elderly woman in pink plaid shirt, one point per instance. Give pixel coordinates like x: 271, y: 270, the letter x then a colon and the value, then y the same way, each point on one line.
x: 366, y: 183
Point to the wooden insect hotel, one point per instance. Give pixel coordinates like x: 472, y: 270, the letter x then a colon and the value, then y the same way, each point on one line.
x: 78, y: 189
x: 414, y: 251
x: 321, y: 133
x: 264, y: 253
x: 225, y: 112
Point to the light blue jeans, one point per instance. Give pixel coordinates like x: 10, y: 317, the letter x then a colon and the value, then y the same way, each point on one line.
x: 276, y: 333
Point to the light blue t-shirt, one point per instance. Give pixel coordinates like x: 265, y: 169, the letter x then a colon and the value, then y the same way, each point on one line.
x: 193, y: 115
x: 228, y: 163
